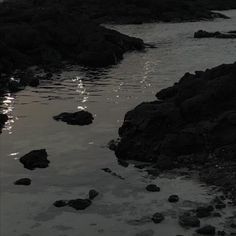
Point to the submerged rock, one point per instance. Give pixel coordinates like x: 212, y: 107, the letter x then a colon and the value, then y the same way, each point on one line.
x: 158, y: 218
x: 60, y: 203
x: 207, y: 230
x: 79, y: 204
x: 152, y: 188
x: 23, y: 181
x: 77, y: 118
x: 35, y: 159
x: 205, y: 34
x: 173, y: 198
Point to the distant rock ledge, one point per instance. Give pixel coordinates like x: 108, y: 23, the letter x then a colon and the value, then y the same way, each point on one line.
x: 217, y: 34
x: 192, y: 124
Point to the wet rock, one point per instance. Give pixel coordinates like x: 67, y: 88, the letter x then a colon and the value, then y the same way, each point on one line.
x: 23, y: 181
x: 152, y: 188
x: 60, y: 203
x: 35, y: 159
x: 158, y: 218
x: 77, y: 118
x: 204, y: 211
x: 205, y: 34
x: 173, y: 198
x: 79, y: 204
x: 189, y: 220
x: 192, y: 124
x: 93, y: 194
x: 207, y: 230
x: 14, y: 86
x: 3, y: 120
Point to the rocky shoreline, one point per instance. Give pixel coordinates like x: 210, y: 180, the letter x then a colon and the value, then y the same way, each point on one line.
x: 192, y: 124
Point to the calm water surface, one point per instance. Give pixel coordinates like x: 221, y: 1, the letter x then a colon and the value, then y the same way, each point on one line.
x: 78, y: 154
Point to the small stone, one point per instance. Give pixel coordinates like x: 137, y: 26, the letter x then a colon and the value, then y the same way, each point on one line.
x: 207, y: 230
x: 92, y: 194
x: 79, y: 204
x: 23, y: 181
x: 173, y: 198
x: 152, y: 188
x: 60, y: 203
x: 158, y: 218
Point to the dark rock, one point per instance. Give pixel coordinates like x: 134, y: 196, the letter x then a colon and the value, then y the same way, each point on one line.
x: 23, y: 181
x: 158, y: 218
x: 204, y: 211
x: 207, y: 230
x: 189, y: 220
x: 79, y: 204
x: 191, y: 125
x: 34, y: 82
x: 14, y: 85
x: 3, y: 120
x: 35, y: 159
x: 60, y: 203
x: 152, y: 188
x: 173, y: 198
x: 92, y: 194
x: 205, y: 34
x: 77, y: 118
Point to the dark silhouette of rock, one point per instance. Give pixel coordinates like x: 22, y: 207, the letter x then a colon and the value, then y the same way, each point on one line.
x: 23, y: 181
x: 60, y: 203
x: 93, y: 194
x: 152, y: 188
x: 207, y: 230
x: 79, y: 204
x: 76, y: 118
x: 205, y: 34
x: 193, y: 123
x: 173, y: 198
x: 3, y: 120
x: 189, y: 220
x: 158, y: 218
x: 35, y: 159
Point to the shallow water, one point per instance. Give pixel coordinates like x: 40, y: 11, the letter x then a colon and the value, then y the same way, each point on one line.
x: 78, y: 154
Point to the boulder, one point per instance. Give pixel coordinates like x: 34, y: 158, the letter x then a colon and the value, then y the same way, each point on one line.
x: 76, y: 118
x: 35, y: 159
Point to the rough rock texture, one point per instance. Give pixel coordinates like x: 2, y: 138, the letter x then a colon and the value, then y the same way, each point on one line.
x: 77, y: 118
x: 35, y: 159
x: 192, y: 124
x: 205, y: 34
